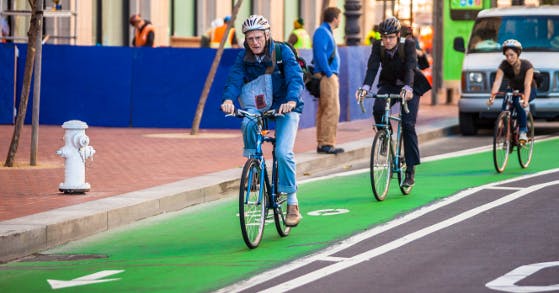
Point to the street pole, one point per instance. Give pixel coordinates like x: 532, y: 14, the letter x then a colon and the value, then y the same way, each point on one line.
x: 37, y: 88
x: 352, y: 27
x: 437, y: 70
x: 211, y: 74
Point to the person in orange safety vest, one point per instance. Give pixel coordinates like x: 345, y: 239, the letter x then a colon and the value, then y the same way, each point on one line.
x: 217, y: 33
x: 144, y: 33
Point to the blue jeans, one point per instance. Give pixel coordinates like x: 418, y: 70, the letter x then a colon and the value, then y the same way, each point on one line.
x: 522, y: 115
x: 286, y: 131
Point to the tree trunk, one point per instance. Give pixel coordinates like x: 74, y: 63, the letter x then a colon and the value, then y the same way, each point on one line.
x: 37, y: 89
x: 211, y: 74
x: 36, y: 15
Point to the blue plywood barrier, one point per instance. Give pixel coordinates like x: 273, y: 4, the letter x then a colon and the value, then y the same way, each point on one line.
x: 168, y: 86
x: 146, y: 87
x: 7, y: 86
x: 86, y: 83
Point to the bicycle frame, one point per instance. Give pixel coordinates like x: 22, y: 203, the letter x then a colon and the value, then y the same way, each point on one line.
x: 509, y: 108
x: 506, y: 134
x: 383, y: 166
x: 261, y: 138
x: 387, y: 118
x: 255, y: 203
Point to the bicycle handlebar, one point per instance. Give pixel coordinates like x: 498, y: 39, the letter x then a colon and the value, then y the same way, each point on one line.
x: 242, y: 113
x: 514, y: 93
x: 386, y: 96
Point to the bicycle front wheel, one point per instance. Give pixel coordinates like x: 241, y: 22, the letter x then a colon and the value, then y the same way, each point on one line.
x: 525, y: 150
x: 380, y: 164
x: 501, y: 142
x: 280, y: 209
x: 253, y: 207
x: 402, y: 167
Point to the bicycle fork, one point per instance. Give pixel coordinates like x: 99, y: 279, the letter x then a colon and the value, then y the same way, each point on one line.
x: 396, y: 150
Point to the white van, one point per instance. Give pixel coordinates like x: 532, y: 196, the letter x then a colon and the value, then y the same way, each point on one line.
x: 537, y: 28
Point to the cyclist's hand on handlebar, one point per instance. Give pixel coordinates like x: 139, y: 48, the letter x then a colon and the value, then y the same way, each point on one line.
x: 228, y: 107
x: 408, y: 95
x: 360, y: 94
x: 491, y: 99
x: 287, y: 107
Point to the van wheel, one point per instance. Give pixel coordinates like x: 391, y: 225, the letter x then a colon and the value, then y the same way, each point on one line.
x: 467, y: 123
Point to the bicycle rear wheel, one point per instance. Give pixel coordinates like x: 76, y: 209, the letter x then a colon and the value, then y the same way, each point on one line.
x: 501, y: 142
x: 403, y: 167
x: 525, y: 150
x: 380, y: 164
x: 253, y: 207
x: 280, y: 210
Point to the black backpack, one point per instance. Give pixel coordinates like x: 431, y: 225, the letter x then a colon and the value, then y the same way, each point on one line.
x: 311, y: 83
x: 300, y: 60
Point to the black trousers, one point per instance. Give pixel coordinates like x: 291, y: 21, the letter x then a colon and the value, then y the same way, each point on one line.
x: 411, y: 144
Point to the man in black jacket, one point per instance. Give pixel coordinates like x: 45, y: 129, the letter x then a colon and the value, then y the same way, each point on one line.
x: 397, y: 75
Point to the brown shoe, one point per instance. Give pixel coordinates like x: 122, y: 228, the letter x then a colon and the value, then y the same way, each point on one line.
x: 293, y: 216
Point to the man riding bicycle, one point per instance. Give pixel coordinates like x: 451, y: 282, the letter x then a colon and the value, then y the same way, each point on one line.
x: 257, y: 59
x: 397, y: 75
x: 520, y: 74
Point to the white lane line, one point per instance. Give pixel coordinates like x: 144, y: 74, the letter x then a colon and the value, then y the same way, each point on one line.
x: 331, y: 269
x: 333, y: 258
x: 344, y: 244
x: 504, y: 188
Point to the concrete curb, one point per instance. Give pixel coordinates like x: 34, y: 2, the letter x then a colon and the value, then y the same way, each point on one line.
x: 31, y: 234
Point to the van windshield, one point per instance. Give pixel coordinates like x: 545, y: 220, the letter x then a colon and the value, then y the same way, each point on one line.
x: 535, y: 33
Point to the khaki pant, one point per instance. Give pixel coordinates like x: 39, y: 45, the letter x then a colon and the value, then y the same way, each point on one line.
x: 328, y: 112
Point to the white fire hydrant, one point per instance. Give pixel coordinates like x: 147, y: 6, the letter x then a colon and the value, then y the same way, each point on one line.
x: 75, y: 151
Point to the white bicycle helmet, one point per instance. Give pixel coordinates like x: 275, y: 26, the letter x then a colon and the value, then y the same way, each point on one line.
x: 255, y: 22
x: 512, y: 44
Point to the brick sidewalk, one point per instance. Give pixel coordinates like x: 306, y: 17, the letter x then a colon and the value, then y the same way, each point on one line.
x: 130, y: 159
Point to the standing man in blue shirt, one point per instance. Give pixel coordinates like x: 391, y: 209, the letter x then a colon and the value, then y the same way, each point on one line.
x: 327, y: 64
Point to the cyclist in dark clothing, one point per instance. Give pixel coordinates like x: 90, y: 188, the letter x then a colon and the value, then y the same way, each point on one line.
x: 397, y: 76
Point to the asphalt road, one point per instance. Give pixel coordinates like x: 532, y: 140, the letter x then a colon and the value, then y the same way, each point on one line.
x: 458, y: 245
x: 499, y: 237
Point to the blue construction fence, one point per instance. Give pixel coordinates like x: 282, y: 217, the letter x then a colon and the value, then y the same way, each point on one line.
x: 145, y: 87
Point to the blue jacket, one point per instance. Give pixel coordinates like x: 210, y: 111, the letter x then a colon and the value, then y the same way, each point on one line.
x: 323, y: 45
x: 288, y: 85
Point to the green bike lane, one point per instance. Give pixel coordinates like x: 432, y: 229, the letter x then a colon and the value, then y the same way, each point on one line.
x: 201, y: 249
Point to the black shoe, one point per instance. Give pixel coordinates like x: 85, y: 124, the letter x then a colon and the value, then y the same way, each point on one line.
x: 409, y: 182
x: 328, y: 149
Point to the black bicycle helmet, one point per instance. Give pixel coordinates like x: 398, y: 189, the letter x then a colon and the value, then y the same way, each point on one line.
x: 512, y: 44
x: 390, y: 26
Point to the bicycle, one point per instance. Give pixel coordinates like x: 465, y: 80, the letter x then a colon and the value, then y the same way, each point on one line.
x: 506, y: 132
x: 385, y: 158
x: 257, y: 194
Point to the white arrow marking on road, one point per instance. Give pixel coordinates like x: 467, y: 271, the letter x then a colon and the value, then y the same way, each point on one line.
x: 507, y: 282
x: 85, y: 280
x: 328, y: 212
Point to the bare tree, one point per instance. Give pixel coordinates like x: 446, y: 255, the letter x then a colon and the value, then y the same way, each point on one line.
x: 211, y: 74
x: 34, y: 27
